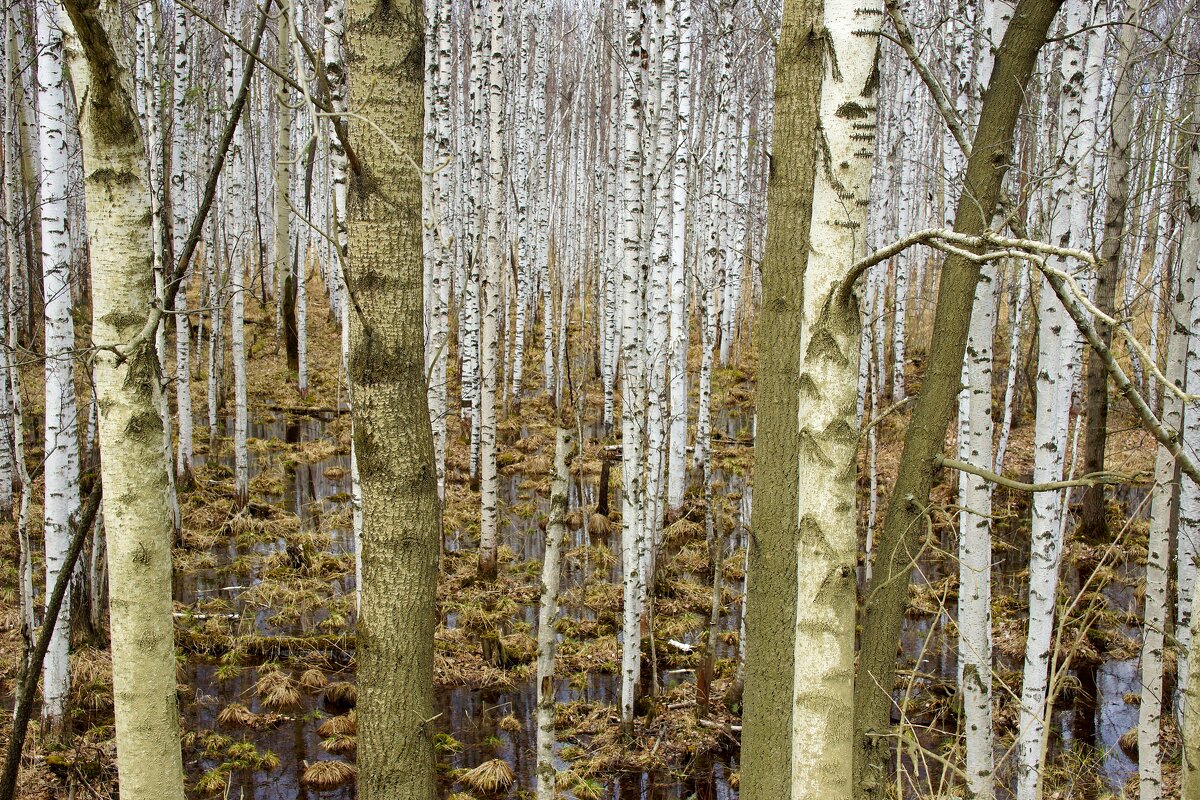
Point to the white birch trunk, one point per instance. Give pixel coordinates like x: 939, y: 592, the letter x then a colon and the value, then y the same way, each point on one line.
x: 181, y: 143
x: 975, y: 540
x: 556, y: 532
x: 238, y: 231
x: 679, y: 324
x: 1181, y: 316
x: 633, y: 385
x: 826, y: 549
x: 133, y: 467
x: 490, y: 287
x: 61, y: 468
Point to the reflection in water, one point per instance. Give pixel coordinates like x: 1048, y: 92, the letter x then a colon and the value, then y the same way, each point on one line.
x: 317, y: 492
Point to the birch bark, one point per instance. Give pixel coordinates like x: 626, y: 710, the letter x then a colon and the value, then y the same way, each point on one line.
x: 556, y: 532
x: 61, y: 469
x: 827, y: 547
x: 133, y: 466
x: 490, y: 287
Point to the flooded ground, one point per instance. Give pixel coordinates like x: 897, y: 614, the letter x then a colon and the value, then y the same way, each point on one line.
x: 308, y: 501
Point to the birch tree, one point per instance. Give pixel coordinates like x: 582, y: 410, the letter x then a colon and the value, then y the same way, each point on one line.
x: 634, y: 543
x: 827, y: 547
x: 1164, y: 493
x: 125, y: 370
x: 1056, y: 347
x: 61, y: 441
x: 238, y: 232
x: 556, y: 531
x: 180, y: 220
x: 493, y: 268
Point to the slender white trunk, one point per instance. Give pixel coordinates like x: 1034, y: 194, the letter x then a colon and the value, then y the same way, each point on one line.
x: 1056, y: 346
x: 490, y: 285
x: 1162, y: 508
x: 469, y: 328
x: 238, y: 233
x: 677, y: 463
x: 661, y: 115
x: 556, y: 531
x: 1014, y: 359
x: 61, y: 468
x: 182, y: 142
x: 1190, y: 730
x: 1180, y: 319
x: 439, y: 120
x: 975, y: 540
x: 633, y: 384
x: 1188, y: 541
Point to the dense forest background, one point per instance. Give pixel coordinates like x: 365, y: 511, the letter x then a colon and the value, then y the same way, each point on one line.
x: 693, y: 398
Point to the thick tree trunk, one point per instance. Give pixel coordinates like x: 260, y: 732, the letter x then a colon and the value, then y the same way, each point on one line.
x: 827, y: 545
x: 393, y: 441
x: 771, y: 599
x: 133, y: 465
x: 887, y: 593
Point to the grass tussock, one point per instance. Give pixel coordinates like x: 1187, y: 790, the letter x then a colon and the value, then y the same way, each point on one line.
x: 326, y: 775
x: 341, y: 693
x: 341, y: 744
x: 236, y: 715
x: 343, y: 724
x: 490, y: 777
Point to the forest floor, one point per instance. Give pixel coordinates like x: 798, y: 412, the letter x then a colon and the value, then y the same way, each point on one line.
x: 265, y: 607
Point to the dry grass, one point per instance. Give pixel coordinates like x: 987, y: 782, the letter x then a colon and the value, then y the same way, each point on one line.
x: 344, y: 724
x: 236, y: 715
x: 278, y: 691
x: 490, y: 777
x: 314, y: 679
x: 341, y: 693
x: 325, y: 775
x: 342, y: 744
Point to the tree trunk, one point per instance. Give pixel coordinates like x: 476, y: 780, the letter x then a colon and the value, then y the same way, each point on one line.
x: 556, y: 532
x: 393, y: 441
x: 492, y: 274
x: 239, y: 239
x: 179, y: 187
x: 771, y: 613
x: 1166, y: 481
x: 62, y: 437
x: 133, y: 465
x: 827, y: 545
x: 633, y: 384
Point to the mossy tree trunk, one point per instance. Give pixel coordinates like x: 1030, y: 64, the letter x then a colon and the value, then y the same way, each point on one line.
x: 904, y: 524
x: 134, y: 467
x: 771, y: 602
x: 393, y: 440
